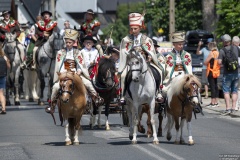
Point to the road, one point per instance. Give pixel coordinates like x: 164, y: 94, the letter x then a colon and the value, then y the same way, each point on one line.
x: 27, y: 132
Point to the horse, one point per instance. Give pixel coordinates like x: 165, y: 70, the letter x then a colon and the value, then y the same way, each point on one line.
x: 71, y: 104
x: 146, y: 109
x: 46, y: 55
x: 182, y: 97
x: 140, y: 89
x: 13, y: 50
x: 105, y: 85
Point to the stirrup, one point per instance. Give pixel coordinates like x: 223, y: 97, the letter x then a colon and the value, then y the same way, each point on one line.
x: 49, y: 110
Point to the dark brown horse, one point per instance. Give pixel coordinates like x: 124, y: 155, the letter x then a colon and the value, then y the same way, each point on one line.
x: 182, y: 97
x: 72, y: 104
x: 146, y: 109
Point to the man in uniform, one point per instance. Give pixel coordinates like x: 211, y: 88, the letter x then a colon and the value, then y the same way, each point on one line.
x: 90, y: 28
x: 178, y: 61
x: 137, y: 39
x: 9, y: 25
x: 74, y: 58
x: 43, y: 30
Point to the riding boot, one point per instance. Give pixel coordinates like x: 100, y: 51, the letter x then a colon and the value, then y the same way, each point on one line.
x: 159, y: 97
x: 97, y: 100
x: 51, y: 107
x: 33, y: 67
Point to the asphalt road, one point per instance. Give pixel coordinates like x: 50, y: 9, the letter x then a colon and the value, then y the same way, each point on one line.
x: 27, y: 132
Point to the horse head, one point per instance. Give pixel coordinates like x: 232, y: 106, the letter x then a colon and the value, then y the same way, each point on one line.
x: 106, y: 72
x: 66, y: 84
x: 191, y: 89
x: 10, y: 37
x: 137, y: 63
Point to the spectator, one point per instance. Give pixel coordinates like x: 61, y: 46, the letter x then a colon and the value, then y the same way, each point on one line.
x: 66, y: 26
x: 205, y: 52
x: 230, y: 78
x: 236, y: 41
x: 4, y: 64
x: 212, y: 46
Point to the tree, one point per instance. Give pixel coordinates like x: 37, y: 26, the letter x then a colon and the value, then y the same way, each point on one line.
x: 209, y: 15
x: 229, y: 21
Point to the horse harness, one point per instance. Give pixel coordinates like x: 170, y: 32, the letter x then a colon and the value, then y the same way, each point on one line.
x: 61, y: 90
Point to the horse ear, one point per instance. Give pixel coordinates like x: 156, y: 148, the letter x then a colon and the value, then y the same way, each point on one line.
x: 187, y: 79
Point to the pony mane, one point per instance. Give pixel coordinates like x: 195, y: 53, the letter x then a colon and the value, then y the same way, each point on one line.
x: 76, y: 79
x: 105, y: 64
x: 177, y: 84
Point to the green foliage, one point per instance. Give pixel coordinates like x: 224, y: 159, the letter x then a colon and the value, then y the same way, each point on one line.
x: 229, y: 21
x: 188, y: 16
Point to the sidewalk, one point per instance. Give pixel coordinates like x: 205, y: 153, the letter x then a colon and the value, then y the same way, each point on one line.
x: 220, y: 109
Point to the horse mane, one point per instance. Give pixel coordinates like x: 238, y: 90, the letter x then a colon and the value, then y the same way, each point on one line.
x: 76, y: 79
x: 105, y: 64
x: 177, y: 84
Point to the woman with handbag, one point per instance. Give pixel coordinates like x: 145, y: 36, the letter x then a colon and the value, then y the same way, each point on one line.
x: 4, y: 65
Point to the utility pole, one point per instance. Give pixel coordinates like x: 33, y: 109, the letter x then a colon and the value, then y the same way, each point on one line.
x: 53, y: 8
x: 171, y: 17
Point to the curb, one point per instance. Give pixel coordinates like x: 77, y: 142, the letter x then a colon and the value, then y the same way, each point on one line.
x: 233, y: 115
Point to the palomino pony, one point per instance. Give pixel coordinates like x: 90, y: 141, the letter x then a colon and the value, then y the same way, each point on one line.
x: 46, y: 56
x: 182, y: 97
x: 140, y: 89
x: 72, y: 104
x: 13, y: 50
x: 105, y: 85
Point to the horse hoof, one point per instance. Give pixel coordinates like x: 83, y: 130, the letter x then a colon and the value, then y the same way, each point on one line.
x: 41, y: 103
x: 67, y: 143
x: 8, y: 103
x: 99, y: 126
x: 17, y: 103
x: 177, y: 142
x: 30, y: 100
x: 159, y: 134
x: 149, y: 135
x: 76, y: 143
x: 130, y: 137
x: 134, y: 142
x: 155, y: 142
x: 182, y: 141
x: 21, y: 96
x: 169, y: 137
x: 191, y: 142
x: 107, y: 128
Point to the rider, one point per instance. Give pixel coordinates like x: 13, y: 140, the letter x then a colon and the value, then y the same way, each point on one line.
x: 160, y: 56
x: 90, y: 27
x: 74, y: 58
x: 9, y: 25
x: 43, y: 30
x: 137, y: 39
x: 178, y: 61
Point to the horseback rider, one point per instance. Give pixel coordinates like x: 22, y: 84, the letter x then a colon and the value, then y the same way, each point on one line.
x: 90, y: 27
x: 9, y: 25
x: 43, y: 30
x: 178, y: 61
x: 160, y: 56
x: 75, y: 61
x: 137, y: 39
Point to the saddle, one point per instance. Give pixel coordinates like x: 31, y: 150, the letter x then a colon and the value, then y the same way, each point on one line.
x: 179, y: 67
x: 69, y: 64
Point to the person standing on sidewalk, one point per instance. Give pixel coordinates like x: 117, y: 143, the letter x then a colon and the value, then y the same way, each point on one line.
x: 211, y: 69
x: 236, y: 42
x: 205, y: 52
x: 230, y: 77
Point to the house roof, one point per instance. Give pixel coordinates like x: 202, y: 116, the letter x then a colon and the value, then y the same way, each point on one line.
x: 32, y: 7
x: 109, y: 6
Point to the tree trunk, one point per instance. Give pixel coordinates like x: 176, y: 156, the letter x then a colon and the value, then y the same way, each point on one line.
x: 210, y: 17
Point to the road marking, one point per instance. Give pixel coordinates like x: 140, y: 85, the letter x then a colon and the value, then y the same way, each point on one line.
x: 171, y: 154
x: 149, y: 153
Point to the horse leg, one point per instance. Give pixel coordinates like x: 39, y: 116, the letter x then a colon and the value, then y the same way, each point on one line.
x: 99, y: 115
x: 21, y: 84
x: 42, y: 86
x: 16, y: 87
x: 182, y: 141
x: 149, y: 132
x: 190, y: 139
x: 152, y: 109
x: 141, y: 129
x: 135, y: 120
x: 130, y: 118
x: 160, y: 119
x: 169, y: 126
x: 107, y: 126
x: 177, y: 140
x: 8, y: 103
x: 67, y: 140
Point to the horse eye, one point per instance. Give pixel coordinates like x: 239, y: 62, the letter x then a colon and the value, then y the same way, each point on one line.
x: 137, y: 62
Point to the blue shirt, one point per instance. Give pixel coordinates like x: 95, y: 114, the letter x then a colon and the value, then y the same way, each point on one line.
x: 205, y: 52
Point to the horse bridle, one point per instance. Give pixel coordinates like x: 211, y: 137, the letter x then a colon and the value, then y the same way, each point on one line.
x: 195, y: 91
x: 61, y: 91
x: 109, y: 76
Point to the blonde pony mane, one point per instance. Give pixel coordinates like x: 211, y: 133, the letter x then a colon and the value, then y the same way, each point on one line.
x: 177, y: 84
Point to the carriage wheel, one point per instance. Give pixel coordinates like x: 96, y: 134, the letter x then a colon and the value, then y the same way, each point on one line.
x: 125, y: 116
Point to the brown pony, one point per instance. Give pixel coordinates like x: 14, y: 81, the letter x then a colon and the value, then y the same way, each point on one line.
x: 72, y: 104
x: 146, y: 109
x: 182, y: 96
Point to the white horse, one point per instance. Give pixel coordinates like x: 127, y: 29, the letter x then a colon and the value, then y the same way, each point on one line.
x: 13, y: 50
x: 140, y: 89
x: 45, y: 65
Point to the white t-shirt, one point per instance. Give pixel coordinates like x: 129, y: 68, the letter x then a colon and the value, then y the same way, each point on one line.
x: 89, y: 56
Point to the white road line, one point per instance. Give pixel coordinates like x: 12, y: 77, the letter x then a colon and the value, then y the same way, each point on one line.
x: 149, y: 153
x: 171, y: 154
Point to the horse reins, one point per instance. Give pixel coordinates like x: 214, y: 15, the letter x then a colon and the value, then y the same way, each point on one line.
x: 61, y: 91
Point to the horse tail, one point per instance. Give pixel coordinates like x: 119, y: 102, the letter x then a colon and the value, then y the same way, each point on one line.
x: 170, y: 122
